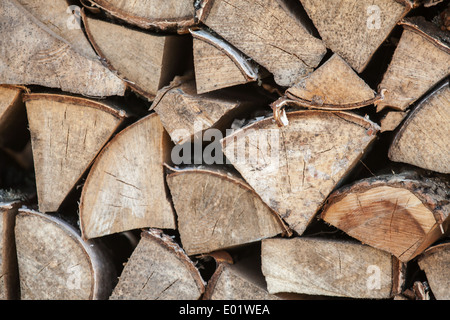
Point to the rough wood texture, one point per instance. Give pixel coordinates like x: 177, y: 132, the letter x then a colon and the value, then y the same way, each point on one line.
x: 33, y: 54
x: 402, y: 214
x: 302, y: 162
x: 158, y: 269
x: 268, y: 33
x: 125, y: 188
x: 217, y: 210
x: 55, y: 263
x: 218, y: 64
x: 184, y: 113
x: 355, y: 29
x: 13, y: 118
x: 435, y: 261
x: 162, y: 15
x: 332, y: 86
x: 327, y: 267
x: 67, y: 133
x: 424, y: 138
x: 421, y: 59
x: 392, y: 120
x: 147, y: 62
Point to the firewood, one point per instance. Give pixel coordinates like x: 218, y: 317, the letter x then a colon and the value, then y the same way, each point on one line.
x: 355, y: 29
x: 67, y: 132
x: 424, y: 137
x: 147, y: 62
x: 63, y: 20
x: 293, y: 168
x: 33, y: 54
x: 125, y: 188
x: 55, y: 263
x: 268, y: 33
x: 421, y: 60
x: 391, y: 120
x: 13, y: 118
x: 402, y: 214
x: 329, y: 267
x: 159, y: 15
x: 186, y: 114
x: 332, y: 86
x: 435, y: 262
x: 218, y: 210
x: 218, y: 64
x: 159, y: 269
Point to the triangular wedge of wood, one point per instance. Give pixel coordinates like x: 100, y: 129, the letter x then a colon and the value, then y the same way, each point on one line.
x: 34, y: 54
x: 13, y: 118
x: 302, y: 162
x: 67, y: 133
x: 125, y: 188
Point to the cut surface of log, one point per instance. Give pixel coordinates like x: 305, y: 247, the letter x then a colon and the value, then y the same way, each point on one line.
x: 162, y: 15
x: 401, y: 214
x: 302, y: 162
x: 55, y: 263
x: 420, y: 61
x: 217, y: 210
x: 334, y: 85
x: 145, y: 61
x: 159, y: 269
x: 125, y: 188
x: 13, y: 117
x: 33, y: 54
x: 435, y: 262
x: 218, y: 64
x: 392, y: 120
x: 355, y: 29
x: 67, y: 133
x: 266, y: 32
x: 63, y: 20
x: 424, y: 138
x: 327, y: 267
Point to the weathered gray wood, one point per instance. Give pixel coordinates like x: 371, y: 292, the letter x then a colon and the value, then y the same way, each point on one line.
x: 435, y: 262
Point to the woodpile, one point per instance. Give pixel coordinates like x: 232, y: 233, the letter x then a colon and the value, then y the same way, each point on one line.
x: 224, y: 150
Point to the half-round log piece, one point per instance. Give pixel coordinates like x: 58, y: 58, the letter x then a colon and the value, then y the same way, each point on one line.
x: 218, y: 64
x: 56, y: 264
x: 125, y: 188
x: 435, y: 262
x: 146, y: 61
x: 13, y: 118
x: 66, y: 133
x: 217, y: 210
x: 33, y: 54
x: 332, y: 86
x: 302, y: 162
x: 162, y: 15
x: 401, y: 214
x: 424, y: 138
x: 420, y: 61
x: 158, y: 269
x: 355, y: 29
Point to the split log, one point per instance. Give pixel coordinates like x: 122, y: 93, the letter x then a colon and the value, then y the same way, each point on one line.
x: 159, y: 15
x: 424, y: 138
x: 33, y: 54
x: 63, y: 20
x: 332, y: 86
x: 330, y: 268
x: 125, y: 188
x: 402, y: 214
x: 435, y: 262
x: 218, y: 210
x: 56, y: 264
x: 267, y: 32
x: 145, y: 61
x: 13, y: 118
x: 218, y: 64
x: 392, y: 120
x: 185, y: 115
x: 421, y: 60
x: 302, y: 162
x: 355, y: 29
x: 67, y: 133
x: 158, y: 269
